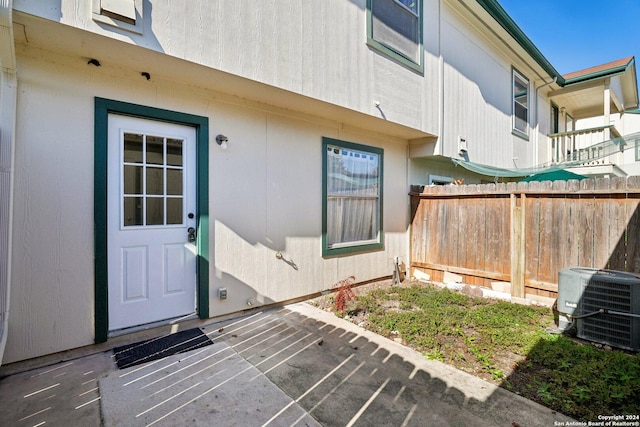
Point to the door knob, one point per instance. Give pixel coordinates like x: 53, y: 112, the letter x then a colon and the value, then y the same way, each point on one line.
x: 192, y: 234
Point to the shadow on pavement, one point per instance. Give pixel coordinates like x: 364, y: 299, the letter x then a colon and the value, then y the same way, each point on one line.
x: 322, y: 367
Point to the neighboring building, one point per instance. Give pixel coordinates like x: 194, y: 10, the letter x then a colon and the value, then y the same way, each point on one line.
x: 162, y: 159
x: 593, y: 125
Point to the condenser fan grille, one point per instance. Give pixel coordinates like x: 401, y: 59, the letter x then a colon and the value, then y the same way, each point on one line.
x: 613, y: 296
x: 605, y: 328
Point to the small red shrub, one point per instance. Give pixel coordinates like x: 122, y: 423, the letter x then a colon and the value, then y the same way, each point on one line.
x: 344, y: 294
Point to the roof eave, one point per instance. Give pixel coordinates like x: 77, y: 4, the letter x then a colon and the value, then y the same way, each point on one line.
x: 609, y: 72
x: 493, y: 8
x: 628, y: 69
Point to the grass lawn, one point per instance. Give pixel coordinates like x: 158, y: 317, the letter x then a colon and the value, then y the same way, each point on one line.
x: 507, y: 344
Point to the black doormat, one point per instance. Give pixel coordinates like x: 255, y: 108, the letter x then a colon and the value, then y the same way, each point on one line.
x: 157, y: 348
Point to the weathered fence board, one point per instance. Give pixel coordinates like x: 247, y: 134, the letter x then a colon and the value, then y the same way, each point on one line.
x: 497, y: 232
x: 526, y: 233
x: 633, y: 238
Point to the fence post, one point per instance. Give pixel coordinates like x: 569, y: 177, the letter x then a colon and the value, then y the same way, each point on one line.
x: 517, y: 246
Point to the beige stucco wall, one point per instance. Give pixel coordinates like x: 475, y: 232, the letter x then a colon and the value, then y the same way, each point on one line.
x: 52, y: 268
x: 265, y: 196
x: 276, y: 206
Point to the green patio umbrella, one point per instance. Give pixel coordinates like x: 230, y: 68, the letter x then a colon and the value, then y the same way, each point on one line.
x: 554, y: 175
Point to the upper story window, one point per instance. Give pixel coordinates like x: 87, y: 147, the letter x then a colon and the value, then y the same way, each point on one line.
x: 520, y: 103
x: 123, y: 14
x: 394, y: 27
x: 555, y: 119
x: 352, y: 197
x: 123, y: 10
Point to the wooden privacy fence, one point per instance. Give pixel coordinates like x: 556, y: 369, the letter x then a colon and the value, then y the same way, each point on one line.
x: 525, y: 233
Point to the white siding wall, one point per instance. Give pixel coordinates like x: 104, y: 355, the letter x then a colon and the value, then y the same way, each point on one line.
x: 317, y: 49
x: 476, y: 104
x: 265, y: 196
x: 630, y: 124
x: 543, y: 144
x: 478, y: 98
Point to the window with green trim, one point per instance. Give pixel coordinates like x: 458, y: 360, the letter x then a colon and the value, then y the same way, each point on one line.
x: 555, y: 118
x: 520, y: 103
x: 394, y: 28
x: 352, y: 197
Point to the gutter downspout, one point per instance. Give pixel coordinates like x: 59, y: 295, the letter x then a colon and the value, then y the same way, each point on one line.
x: 8, y: 104
x: 537, y: 126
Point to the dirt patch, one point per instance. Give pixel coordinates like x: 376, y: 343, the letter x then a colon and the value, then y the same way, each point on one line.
x: 358, y: 316
x: 455, y: 349
x: 505, y: 343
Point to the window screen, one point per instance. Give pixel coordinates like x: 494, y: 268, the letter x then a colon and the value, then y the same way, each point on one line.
x: 396, y: 26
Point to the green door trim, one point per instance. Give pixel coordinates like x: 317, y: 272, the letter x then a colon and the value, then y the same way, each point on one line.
x: 101, y: 116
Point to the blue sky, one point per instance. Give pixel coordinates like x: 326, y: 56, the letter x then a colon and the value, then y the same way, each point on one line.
x: 578, y: 34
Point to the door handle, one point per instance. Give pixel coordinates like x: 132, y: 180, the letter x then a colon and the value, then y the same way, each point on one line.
x: 192, y: 234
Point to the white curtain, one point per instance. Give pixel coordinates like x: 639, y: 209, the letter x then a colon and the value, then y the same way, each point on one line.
x: 352, y: 196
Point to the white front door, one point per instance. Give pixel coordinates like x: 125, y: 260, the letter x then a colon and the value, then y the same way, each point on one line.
x: 151, y: 221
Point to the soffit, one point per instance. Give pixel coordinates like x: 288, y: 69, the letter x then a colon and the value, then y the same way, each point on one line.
x: 583, y: 95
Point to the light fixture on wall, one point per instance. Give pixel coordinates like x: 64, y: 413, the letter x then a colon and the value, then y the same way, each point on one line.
x: 222, y: 141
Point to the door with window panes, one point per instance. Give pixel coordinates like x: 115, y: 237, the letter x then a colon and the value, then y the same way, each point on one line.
x: 151, y: 221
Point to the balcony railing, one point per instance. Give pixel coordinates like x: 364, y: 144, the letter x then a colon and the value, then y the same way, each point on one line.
x: 586, y: 146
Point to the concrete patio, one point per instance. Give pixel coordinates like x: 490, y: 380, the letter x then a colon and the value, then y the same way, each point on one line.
x: 283, y: 366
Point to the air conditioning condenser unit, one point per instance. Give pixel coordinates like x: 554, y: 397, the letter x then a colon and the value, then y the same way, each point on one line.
x: 604, y: 304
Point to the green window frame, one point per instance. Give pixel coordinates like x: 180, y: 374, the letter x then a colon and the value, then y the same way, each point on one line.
x: 521, y: 96
x: 352, y: 202
x: 394, y: 28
